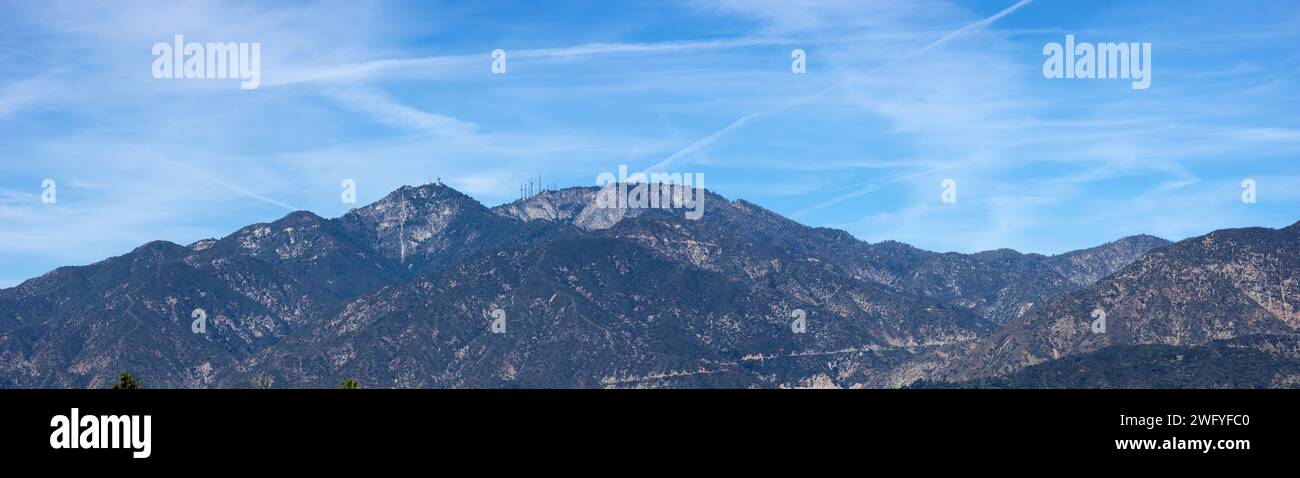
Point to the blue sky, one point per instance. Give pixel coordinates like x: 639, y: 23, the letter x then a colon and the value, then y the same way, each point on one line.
x: 898, y: 96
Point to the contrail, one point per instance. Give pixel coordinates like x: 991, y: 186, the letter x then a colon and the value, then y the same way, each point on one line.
x: 204, y: 174
x: 696, y: 146
x: 361, y: 69
x: 704, y: 143
x: 871, y: 186
x: 248, y: 193
x: 980, y: 24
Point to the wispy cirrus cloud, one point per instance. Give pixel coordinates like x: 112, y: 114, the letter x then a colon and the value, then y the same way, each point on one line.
x: 18, y: 94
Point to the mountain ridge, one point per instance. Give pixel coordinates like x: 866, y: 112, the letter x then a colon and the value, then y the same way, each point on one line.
x: 1227, y: 284
x: 271, y: 288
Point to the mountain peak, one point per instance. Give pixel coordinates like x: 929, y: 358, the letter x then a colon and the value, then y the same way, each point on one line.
x: 299, y: 217
x: 578, y: 205
x: 1143, y: 239
x: 561, y: 205
x: 431, y: 192
x: 428, y: 202
x: 1086, y: 266
x: 426, y: 226
x: 159, y: 246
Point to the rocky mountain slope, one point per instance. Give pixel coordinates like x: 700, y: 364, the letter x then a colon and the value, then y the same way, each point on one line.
x: 997, y: 285
x: 1227, y: 284
x: 401, y: 292
x: 657, y: 300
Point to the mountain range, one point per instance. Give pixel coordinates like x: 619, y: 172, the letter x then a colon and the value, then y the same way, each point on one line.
x: 406, y: 292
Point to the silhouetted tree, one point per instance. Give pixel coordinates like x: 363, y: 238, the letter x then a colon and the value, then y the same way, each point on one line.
x: 126, y: 381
